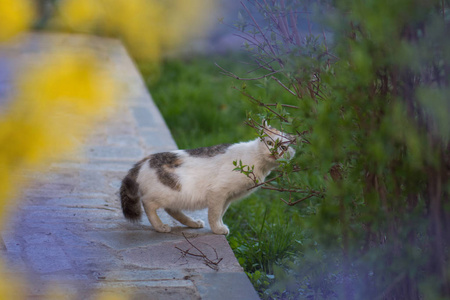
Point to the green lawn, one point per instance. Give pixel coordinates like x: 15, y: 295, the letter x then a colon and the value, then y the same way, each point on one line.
x: 199, y: 104
x: 202, y: 108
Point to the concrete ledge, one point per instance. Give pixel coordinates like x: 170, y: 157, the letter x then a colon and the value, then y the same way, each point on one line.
x: 69, y: 231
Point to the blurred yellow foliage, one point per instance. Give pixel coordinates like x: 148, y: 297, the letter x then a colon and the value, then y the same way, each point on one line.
x: 15, y: 16
x: 72, y: 81
x: 57, y: 100
x: 54, y: 103
x: 51, y: 98
x: 10, y: 286
x: 81, y: 15
x: 148, y: 27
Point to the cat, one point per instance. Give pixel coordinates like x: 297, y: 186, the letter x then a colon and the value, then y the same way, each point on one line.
x: 200, y: 178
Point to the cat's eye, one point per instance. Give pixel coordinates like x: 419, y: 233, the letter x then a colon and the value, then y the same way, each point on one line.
x: 284, y: 148
x: 270, y: 143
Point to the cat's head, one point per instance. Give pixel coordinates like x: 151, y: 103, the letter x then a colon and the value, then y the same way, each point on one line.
x: 277, y: 143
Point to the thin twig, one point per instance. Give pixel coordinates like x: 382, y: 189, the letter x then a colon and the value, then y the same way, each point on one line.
x: 265, y: 182
x: 283, y: 105
x: 260, y: 103
x: 265, y: 65
x: 213, y: 264
x: 295, y: 29
x: 294, y: 190
x: 254, y: 43
x: 297, y: 201
x: 230, y: 74
x: 261, y: 31
x: 285, y: 87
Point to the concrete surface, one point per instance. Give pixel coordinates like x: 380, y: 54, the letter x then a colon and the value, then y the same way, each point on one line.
x: 68, y: 230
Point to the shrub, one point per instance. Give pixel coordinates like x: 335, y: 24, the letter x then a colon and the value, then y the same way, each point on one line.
x: 369, y: 107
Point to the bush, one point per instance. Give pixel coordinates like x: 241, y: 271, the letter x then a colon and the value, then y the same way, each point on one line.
x: 370, y: 111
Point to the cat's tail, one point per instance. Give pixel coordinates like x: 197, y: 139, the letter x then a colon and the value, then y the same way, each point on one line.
x: 129, y: 196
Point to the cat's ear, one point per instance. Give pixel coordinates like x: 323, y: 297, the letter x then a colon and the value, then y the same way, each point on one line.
x: 265, y: 127
x: 267, y: 130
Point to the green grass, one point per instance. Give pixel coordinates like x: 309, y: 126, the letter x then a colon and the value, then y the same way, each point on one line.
x: 201, y: 108
x: 199, y: 104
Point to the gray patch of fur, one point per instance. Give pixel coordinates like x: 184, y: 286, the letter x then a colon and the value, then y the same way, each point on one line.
x: 164, y: 163
x: 208, y: 151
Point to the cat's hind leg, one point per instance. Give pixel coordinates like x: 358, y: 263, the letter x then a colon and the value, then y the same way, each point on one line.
x: 183, y: 219
x: 150, y: 208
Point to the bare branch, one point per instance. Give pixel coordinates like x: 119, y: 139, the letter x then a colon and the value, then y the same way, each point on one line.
x: 260, y: 103
x: 285, y: 87
x: 264, y: 65
x: 230, y: 74
x: 283, y: 105
x: 297, y: 201
x: 290, y: 190
x: 213, y: 264
x: 265, y: 182
x: 256, y: 43
x: 282, y: 23
x: 262, y: 33
x: 295, y: 30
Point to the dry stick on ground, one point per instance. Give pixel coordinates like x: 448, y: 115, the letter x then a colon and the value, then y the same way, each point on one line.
x: 213, y: 264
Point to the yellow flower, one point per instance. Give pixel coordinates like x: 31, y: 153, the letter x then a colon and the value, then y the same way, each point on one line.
x: 75, y: 82
x: 55, y: 104
x: 149, y: 28
x: 16, y: 16
x: 81, y: 15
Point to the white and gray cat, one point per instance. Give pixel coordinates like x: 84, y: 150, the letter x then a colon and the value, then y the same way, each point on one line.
x: 199, y: 178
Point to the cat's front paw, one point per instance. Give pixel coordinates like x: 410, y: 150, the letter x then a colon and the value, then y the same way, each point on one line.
x: 163, y: 228
x: 221, y: 230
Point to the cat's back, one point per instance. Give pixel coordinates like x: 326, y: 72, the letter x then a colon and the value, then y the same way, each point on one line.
x: 191, y: 167
x: 205, y: 161
x: 218, y: 158
x: 184, y: 163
